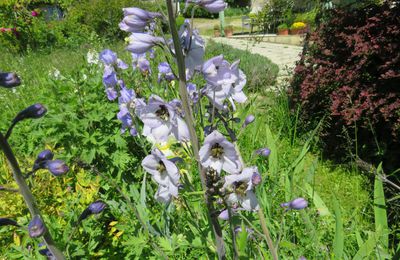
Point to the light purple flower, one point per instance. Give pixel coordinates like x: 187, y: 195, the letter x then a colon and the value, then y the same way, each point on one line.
x: 136, y: 19
x: 193, y: 93
x: 142, y: 42
x: 219, y: 154
x: 212, y: 6
x: 193, y: 48
x: 161, y: 120
x: 297, y: 204
x: 109, y: 58
x: 165, y: 72
x: 144, y: 66
x: 225, y: 81
x: 242, y: 189
x: 165, y: 173
x: 127, y: 104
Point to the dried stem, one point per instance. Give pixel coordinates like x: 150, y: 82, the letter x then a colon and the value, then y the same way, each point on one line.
x: 27, y: 195
x: 193, y: 136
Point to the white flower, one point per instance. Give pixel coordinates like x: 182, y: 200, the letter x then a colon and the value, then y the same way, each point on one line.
x: 219, y: 154
x: 164, y: 172
x: 242, y: 186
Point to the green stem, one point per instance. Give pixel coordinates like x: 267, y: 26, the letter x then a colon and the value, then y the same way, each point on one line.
x: 27, y: 195
x: 267, y: 234
x: 190, y: 123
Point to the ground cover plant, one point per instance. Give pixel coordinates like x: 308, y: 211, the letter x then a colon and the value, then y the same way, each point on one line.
x: 83, y: 128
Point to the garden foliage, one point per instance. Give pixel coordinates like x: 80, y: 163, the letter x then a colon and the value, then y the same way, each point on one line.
x: 350, y: 73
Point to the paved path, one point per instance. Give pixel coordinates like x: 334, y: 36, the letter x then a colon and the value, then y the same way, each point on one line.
x: 285, y: 56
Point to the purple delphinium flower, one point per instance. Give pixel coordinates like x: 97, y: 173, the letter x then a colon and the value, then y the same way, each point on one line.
x: 249, y: 119
x: 36, y: 227
x: 110, y: 80
x: 9, y: 80
x: 57, y: 167
x: 127, y: 104
x: 165, y: 173
x: 242, y: 186
x: 142, y: 42
x: 225, y: 81
x: 193, y: 93
x: 161, y: 120
x: 219, y: 154
x: 136, y: 19
x: 193, y: 48
x: 263, y: 152
x: 165, y: 72
x: 297, y: 204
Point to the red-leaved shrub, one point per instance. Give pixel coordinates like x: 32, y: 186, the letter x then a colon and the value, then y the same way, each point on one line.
x: 351, y: 74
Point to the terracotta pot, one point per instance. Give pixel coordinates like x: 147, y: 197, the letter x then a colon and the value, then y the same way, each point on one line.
x: 228, y: 32
x: 283, y: 31
x: 297, y: 31
x: 217, y: 33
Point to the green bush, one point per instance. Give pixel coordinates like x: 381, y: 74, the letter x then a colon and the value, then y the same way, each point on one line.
x: 258, y: 77
x: 236, y: 11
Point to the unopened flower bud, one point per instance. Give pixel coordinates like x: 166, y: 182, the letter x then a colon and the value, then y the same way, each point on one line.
x: 297, y: 204
x: 57, y: 167
x: 256, y: 178
x: 41, y: 159
x: 9, y: 79
x: 34, y: 111
x: 94, y: 208
x: 36, y: 227
x: 249, y: 119
x: 263, y: 152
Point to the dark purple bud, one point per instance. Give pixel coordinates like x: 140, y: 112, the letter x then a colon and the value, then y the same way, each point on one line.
x: 94, y: 208
x: 41, y: 159
x: 97, y: 207
x: 297, y: 204
x: 263, y: 152
x: 46, y: 252
x: 256, y: 178
x: 36, y: 227
x: 57, y: 167
x: 34, y: 111
x: 8, y: 222
x: 249, y: 119
x: 9, y: 79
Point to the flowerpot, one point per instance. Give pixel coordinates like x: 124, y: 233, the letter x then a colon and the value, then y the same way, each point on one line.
x: 283, y: 31
x: 297, y: 31
x: 228, y: 32
x: 217, y: 33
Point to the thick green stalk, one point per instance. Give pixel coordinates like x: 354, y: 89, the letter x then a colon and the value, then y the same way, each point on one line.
x: 190, y: 123
x: 27, y: 194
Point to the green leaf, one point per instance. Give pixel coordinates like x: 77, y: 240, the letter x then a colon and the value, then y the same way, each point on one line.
x: 338, y: 241
x: 381, y: 223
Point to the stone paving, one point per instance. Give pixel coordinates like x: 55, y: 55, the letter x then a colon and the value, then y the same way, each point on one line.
x: 285, y: 56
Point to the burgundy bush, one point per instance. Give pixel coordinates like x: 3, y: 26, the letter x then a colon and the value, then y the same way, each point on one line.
x: 351, y: 74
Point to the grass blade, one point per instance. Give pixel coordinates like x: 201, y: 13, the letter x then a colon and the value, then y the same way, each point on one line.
x: 338, y: 241
x: 381, y: 223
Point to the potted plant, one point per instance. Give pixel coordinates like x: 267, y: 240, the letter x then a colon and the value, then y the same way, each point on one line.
x: 217, y: 32
x: 298, y: 28
x: 228, y: 31
x: 283, y: 29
